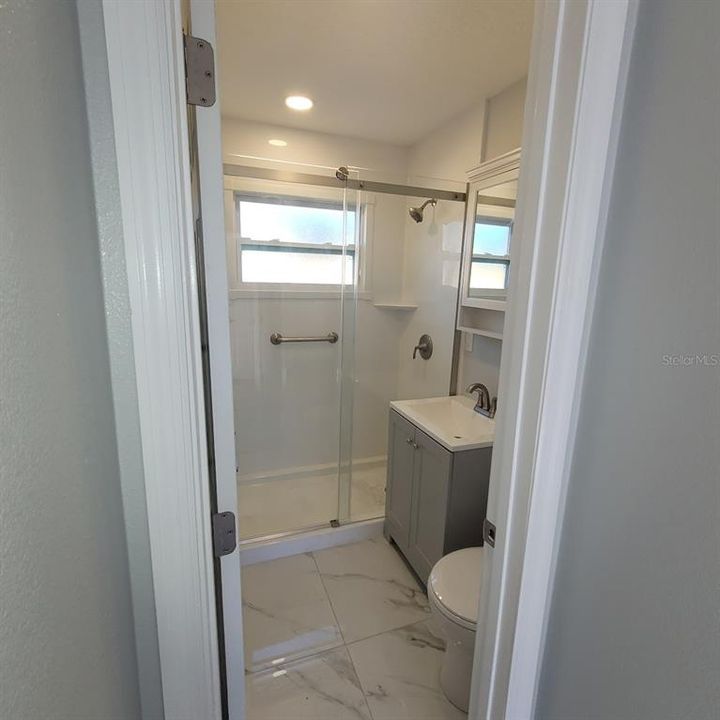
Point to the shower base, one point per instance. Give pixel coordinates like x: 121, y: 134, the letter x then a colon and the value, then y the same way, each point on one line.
x: 296, y: 502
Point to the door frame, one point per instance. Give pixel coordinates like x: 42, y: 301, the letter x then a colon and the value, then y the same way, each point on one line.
x: 146, y: 67
x: 573, y: 112
x: 576, y: 91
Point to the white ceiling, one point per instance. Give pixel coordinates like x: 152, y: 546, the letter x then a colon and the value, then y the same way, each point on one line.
x: 389, y: 70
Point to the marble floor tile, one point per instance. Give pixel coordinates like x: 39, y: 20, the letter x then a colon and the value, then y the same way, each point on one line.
x: 370, y: 588
x: 322, y: 687
x: 286, y: 611
x: 399, y: 672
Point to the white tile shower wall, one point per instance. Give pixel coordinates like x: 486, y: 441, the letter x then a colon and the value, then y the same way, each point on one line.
x: 432, y: 267
x: 432, y: 252
x: 287, y: 397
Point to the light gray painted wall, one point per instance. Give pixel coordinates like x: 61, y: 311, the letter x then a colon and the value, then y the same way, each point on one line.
x: 634, y: 630
x: 66, y: 624
x: 504, y: 124
x: 120, y: 345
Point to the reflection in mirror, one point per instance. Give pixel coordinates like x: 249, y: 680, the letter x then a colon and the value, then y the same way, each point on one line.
x: 490, y: 259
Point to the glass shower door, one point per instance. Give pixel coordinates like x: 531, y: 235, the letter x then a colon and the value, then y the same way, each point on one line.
x: 405, y: 285
x: 354, y: 235
x: 292, y: 269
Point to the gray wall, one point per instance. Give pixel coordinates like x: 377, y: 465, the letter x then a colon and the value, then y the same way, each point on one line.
x: 66, y: 624
x: 504, y: 120
x: 634, y: 627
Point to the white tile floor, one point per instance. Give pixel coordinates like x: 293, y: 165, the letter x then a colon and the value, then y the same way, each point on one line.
x: 292, y: 503
x: 341, y: 633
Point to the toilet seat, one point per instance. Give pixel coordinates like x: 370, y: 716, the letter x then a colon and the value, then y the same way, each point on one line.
x: 455, y: 586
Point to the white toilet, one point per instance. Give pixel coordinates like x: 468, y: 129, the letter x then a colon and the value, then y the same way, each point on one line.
x: 454, y: 593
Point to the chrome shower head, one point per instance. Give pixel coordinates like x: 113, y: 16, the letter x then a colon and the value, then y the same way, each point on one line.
x: 416, y: 213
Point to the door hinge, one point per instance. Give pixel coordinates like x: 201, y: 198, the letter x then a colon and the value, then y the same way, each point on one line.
x: 199, y: 71
x: 489, y: 532
x: 224, y: 538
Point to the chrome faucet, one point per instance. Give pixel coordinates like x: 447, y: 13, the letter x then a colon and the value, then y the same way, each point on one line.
x: 484, y: 405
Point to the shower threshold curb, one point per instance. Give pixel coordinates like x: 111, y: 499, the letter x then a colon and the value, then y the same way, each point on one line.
x: 318, y: 539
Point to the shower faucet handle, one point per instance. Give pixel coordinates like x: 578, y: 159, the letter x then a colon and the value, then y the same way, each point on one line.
x: 424, y: 346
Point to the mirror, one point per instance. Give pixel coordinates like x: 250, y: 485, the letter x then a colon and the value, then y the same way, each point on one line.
x: 488, y: 235
x: 490, y: 252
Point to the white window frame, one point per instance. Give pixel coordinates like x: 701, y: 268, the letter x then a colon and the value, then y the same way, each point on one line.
x: 489, y: 258
x: 573, y: 112
x: 297, y: 201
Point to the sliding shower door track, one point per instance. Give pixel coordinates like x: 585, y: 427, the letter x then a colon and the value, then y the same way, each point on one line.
x: 288, y: 533
x: 284, y: 544
x: 291, y: 176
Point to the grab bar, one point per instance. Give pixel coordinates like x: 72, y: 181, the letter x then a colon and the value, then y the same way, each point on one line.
x: 278, y: 339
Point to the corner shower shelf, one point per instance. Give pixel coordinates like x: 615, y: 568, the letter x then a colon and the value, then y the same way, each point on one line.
x: 394, y: 306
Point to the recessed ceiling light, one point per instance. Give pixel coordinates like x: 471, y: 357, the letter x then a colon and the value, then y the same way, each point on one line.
x: 276, y: 142
x: 298, y: 102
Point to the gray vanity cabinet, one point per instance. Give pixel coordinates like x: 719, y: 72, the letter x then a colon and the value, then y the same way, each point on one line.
x: 436, y: 500
x: 401, y: 456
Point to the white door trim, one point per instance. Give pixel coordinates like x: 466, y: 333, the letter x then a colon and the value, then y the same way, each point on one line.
x: 581, y: 54
x: 147, y: 87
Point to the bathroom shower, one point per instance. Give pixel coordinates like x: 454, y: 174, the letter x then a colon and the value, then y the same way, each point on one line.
x: 417, y: 213
x: 325, y: 287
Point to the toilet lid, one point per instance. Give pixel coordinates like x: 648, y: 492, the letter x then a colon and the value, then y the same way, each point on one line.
x: 455, y: 582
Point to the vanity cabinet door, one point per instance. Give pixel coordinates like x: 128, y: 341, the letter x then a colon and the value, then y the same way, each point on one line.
x: 431, y: 484
x: 401, y: 455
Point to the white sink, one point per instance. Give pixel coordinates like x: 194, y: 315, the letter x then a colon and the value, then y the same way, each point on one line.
x: 451, y: 421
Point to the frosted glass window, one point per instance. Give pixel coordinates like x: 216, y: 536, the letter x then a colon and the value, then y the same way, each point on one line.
x: 488, y: 276
x: 266, y: 221
x: 292, y: 241
x: 263, y: 266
